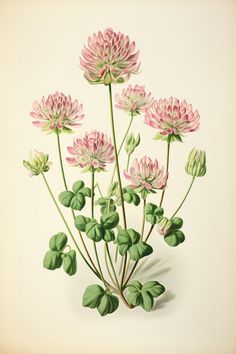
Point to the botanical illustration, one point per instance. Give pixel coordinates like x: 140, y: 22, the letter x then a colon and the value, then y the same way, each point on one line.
x: 111, y: 58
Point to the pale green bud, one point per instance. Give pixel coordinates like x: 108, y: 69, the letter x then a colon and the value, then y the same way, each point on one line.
x: 196, y: 164
x: 164, y: 226
x: 131, y: 143
x: 37, y: 163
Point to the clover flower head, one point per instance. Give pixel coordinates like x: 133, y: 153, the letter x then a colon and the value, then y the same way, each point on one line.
x: 37, y: 163
x: 109, y: 57
x: 134, y: 100
x: 146, y: 175
x: 57, y: 113
x: 92, y: 152
x: 172, y: 118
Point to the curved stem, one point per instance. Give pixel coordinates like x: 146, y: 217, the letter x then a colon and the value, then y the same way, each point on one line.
x: 61, y: 163
x: 143, y: 222
x: 128, y: 160
x: 67, y: 226
x: 112, y: 266
x: 121, y: 145
x: 107, y: 265
x: 187, y: 193
x: 167, y: 172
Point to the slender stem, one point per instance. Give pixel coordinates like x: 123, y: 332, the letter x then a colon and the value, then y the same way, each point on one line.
x: 116, y: 157
x: 122, y: 143
x: 92, y: 214
x: 167, y: 172
x: 128, y: 160
x: 187, y: 193
x: 112, y: 266
x: 107, y: 265
x: 67, y: 226
x: 99, y: 189
x: 143, y: 222
x: 61, y: 163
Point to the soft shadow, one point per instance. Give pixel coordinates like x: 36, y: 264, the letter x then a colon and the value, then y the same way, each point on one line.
x: 166, y: 297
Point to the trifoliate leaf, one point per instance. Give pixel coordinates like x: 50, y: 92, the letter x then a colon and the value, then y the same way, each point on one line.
x: 77, y: 186
x: 65, y: 198
x: 108, y: 304
x: 126, y: 238
x: 92, y: 296
x: 154, y: 288
x: 78, y: 201
x: 176, y: 223
x: 153, y: 213
x: 109, y: 236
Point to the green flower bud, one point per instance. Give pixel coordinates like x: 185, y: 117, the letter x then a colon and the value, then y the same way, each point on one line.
x: 196, y: 164
x: 37, y: 163
x: 131, y: 143
x: 164, y: 226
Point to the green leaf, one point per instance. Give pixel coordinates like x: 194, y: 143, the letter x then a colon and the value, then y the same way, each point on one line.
x: 58, y: 242
x: 143, y: 294
x: 96, y: 297
x: 153, y: 213
x: 52, y: 260
x: 174, y: 238
x: 69, y: 262
x: 78, y: 201
x: 108, y: 304
x: 154, y: 288
x: 65, y: 198
x: 126, y: 238
x: 94, y: 231
x: 110, y: 220
x: 109, y: 236
x: 81, y: 222
x: 77, y: 186
x: 92, y: 296
x: 139, y: 250
x: 101, y: 201
x: 86, y: 192
x: 130, y: 196
x: 176, y: 223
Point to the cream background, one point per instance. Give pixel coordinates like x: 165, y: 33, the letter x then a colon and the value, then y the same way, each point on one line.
x: 187, y: 49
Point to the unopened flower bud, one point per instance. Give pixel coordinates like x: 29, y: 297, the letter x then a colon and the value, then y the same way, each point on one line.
x: 164, y: 226
x: 131, y: 143
x: 37, y: 163
x: 196, y: 164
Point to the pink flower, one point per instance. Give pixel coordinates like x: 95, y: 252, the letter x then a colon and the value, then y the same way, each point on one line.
x: 172, y: 118
x: 110, y: 57
x: 94, y: 150
x: 57, y: 113
x: 146, y: 175
x: 134, y: 100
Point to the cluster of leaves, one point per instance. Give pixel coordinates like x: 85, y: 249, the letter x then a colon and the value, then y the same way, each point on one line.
x: 169, y: 228
x: 75, y: 199
x: 97, y: 231
x: 103, y: 300
x: 143, y: 295
x: 55, y: 257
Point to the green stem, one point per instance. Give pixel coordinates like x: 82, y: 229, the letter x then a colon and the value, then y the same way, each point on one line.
x: 107, y: 266
x: 122, y: 143
x: 61, y: 163
x: 187, y: 193
x: 167, y: 172
x: 67, y: 226
x: 116, y: 157
x: 112, y: 266
x: 143, y: 222
x: 128, y: 160
x: 92, y: 214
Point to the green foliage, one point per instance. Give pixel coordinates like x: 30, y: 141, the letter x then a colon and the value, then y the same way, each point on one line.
x: 107, y: 205
x: 129, y: 241
x: 81, y: 222
x: 170, y: 229
x: 75, y: 199
x: 143, y: 295
x: 69, y: 262
x: 174, y: 238
x: 130, y: 196
x: 109, y: 236
x: 94, y: 230
x: 96, y: 297
x: 153, y: 213
x: 169, y: 138
x: 110, y: 220
x: 55, y: 257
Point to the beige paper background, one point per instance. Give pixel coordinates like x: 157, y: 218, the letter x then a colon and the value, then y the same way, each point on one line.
x: 187, y: 49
